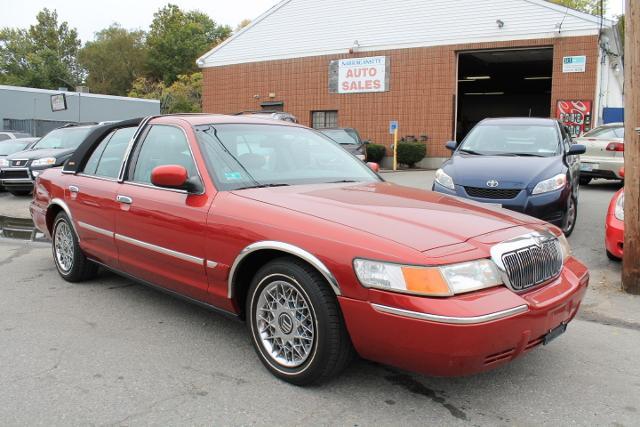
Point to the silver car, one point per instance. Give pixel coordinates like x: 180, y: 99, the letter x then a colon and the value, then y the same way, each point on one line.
x: 605, y: 152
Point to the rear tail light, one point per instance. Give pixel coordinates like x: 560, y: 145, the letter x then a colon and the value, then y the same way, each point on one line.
x: 615, y: 146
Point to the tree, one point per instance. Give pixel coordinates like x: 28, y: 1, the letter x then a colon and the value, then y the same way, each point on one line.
x: 114, y: 60
x: 242, y: 24
x: 43, y: 56
x: 183, y: 96
x: 588, y: 6
x: 176, y: 39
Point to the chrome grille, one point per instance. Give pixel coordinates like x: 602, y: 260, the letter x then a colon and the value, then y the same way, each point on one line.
x: 533, y: 265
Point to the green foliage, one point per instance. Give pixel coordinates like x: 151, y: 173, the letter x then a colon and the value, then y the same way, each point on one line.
x: 176, y: 39
x: 114, y: 60
x: 375, y: 152
x: 183, y: 96
x: 410, y: 153
x: 242, y: 24
x: 45, y: 56
x: 588, y: 6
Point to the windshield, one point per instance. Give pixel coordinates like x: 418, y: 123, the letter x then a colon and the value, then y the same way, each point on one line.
x: 254, y: 155
x: 512, y: 140
x: 340, y: 136
x: 12, y: 146
x: 63, y: 138
x: 606, y: 132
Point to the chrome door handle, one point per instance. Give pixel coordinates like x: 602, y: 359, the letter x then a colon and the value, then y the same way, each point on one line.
x: 124, y: 199
x: 73, y: 189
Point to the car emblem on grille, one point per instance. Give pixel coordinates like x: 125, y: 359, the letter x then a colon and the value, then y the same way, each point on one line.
x: 492, y: 183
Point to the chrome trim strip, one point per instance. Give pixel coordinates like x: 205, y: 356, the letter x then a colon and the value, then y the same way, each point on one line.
x: 283, y: 247
x: 101, y: 178
x: 65, y: 208
x: 449, y: 319
x: 95, y: 229
x: 212, y: 264
x: 160, y: 249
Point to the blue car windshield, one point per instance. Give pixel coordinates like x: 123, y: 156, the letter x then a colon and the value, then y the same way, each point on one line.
x: 512, y: 140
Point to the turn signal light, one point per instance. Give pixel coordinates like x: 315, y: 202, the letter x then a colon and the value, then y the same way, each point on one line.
x: 615, y: 146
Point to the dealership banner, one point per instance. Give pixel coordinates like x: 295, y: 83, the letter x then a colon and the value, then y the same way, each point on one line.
x: 359, y: 75
x: 576, y: 115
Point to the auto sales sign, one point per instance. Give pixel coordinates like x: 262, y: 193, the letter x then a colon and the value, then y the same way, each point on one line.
x: 359, y: 75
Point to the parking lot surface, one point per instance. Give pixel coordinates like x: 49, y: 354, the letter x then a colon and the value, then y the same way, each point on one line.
x: 112, y: 352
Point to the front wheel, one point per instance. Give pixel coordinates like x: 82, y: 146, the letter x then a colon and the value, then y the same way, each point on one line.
x: 570, y: 216
x: 295, y: 323
x: 70, y: 262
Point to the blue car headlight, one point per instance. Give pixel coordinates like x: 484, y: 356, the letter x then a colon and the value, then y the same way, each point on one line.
x: 557, y: 182
x: 445, y: 180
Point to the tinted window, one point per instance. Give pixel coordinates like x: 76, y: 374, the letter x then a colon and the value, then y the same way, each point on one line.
x: 163, y: 145
x: 92, y: 163
x: 606, y: 132
x: 63, y: 138
x: 13, y: 146
x: 495, y: 139
x: 340, y: 136
x: 111, y: 159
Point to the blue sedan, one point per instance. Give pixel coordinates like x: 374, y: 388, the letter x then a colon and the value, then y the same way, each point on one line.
x: 527, y: 165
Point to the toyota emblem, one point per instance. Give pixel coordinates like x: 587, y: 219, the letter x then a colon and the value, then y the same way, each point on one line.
x: 492, y: 183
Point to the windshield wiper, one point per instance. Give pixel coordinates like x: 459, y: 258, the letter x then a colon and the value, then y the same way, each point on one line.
x: 528, y: 155
x: 341, y: 181
x: 280, y: 184
x: 475, y: 153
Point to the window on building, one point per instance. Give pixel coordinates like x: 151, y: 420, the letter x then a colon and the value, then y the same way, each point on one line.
x: 324, y: 119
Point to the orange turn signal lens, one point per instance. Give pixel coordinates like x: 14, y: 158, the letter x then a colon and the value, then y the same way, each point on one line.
x: 426, y: 281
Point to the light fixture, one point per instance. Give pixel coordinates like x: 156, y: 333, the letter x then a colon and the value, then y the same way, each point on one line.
x: 500, y: 23
x: 538, y: 78
x: 478, y: 77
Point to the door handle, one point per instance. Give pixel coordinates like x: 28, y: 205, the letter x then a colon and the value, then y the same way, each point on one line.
x: 73, y: 189
x: 124, y: 199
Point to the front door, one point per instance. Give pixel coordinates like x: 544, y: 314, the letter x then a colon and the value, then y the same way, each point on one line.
x: 160, y: 232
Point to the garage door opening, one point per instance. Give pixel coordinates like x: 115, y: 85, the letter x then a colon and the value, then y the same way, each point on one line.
x: 503, y: 83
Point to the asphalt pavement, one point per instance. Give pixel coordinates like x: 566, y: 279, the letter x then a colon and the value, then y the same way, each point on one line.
x: 112, y: 352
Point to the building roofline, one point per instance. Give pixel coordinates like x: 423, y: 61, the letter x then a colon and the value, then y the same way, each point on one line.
x: 574, y: 12
x: 71, y: 93
x: 200, y: 61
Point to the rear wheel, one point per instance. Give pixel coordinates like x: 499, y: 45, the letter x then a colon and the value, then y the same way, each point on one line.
x: 70, y: 262
x: 295, y: 323
x: 585, y: 180
x: 612, y: 257
x: 570, y: 216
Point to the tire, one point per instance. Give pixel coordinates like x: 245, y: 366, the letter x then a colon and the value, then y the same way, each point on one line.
x: 569, y: 224
x: 612, y: 257
x: 585, y: 180
x: 70, y: 262
x: 316, y: 327
x: 20, y: 192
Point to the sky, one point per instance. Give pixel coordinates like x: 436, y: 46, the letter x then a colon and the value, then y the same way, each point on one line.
x: 89, y: 16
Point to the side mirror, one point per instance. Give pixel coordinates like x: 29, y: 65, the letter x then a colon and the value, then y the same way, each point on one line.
x: 621, y: 173
x: 374, y: 166
x: 366, y: 141
x: 576, y: 149
x: 170, y: 176
x: 451, y: 145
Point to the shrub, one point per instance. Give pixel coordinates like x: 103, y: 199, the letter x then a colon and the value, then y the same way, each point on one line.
x: 375, y: 152
x: 410, y: 153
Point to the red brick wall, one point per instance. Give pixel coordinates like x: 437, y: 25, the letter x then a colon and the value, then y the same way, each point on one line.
x: 421, y: 96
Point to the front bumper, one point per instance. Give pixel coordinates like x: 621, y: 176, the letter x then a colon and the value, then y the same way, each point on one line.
x: 601, y: 167
x: 19, y: 179
x: 614, y: 236
x: 550, y: 207
x: 473, y: 341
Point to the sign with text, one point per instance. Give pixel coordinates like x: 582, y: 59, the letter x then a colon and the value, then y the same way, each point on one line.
x: 576, y: 115
x: 574, y: 64
x: 58, y: 102
x: 360, y: 75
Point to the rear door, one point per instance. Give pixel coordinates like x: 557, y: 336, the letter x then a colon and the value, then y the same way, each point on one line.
x: 91, y: 194
x: 160, y: 232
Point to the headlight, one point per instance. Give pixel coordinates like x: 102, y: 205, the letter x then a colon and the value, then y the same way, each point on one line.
x: 551, y: 184
x: 46, y: 161
x: 445, y: 180
x: 428, y: 281
x: 4, y: 163
x: 566, y: 247
x: 619, y: 212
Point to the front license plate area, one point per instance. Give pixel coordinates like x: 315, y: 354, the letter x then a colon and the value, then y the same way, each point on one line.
x: 554, y: 333
x: 588, y: 167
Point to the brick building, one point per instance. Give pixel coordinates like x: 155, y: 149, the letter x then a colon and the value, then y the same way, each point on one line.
x: 437, y: 66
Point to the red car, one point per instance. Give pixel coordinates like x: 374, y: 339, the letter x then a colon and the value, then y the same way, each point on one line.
x: 276, y: 224
x: 614, y: 225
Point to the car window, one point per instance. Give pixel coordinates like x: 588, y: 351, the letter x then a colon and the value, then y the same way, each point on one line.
x: 4, y: 137
x: 619, y: 132
x: 602, y: 133
x: 163, y: 145
x: 514, y: 139
x: 113, y: 153
x: 92, y: 163
x: 13, y: 146
x: 63, y: 138
x: 340, y: 136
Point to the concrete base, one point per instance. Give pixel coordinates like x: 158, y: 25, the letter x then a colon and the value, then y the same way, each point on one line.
x: 426, y: 163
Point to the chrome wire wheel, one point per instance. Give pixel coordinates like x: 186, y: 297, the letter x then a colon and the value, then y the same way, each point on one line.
x: 63, y: 246
x: 285, y: 324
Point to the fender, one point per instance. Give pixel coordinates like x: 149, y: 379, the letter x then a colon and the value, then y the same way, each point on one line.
x: 65, y: 208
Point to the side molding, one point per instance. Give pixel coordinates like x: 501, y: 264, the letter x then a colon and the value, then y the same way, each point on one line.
x: 65, y: 208
x: 283, y: 247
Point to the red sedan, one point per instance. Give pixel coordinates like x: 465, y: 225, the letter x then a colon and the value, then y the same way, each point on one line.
x: 276, y: 224
x: 614, y: 225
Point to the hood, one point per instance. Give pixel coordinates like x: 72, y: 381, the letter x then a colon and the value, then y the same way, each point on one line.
x: 39, y: 154
x: 419, y: 219
x: 510, y: 171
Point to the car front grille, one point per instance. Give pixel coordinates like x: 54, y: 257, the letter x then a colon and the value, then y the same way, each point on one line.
x: 19, y: 162
x: 15, y: 174
x: 533, y: 265
x: 492, y: 193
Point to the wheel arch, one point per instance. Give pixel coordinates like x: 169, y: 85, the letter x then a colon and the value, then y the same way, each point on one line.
x: 55, y: 207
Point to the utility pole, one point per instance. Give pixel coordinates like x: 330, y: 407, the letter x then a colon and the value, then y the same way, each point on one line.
x: 631, y: 262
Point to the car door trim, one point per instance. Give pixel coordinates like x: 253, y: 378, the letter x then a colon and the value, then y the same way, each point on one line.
x: 283, y: 247
x: 160, y: 249
x: 95, y: 229
x: 449, y: 319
